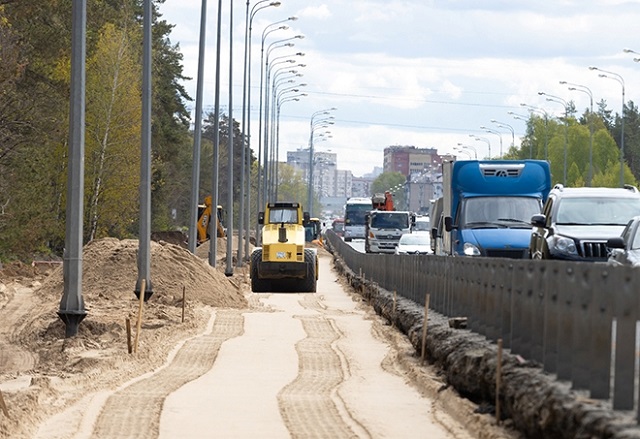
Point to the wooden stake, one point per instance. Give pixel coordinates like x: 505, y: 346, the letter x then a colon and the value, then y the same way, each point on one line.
x: 183, y: 301
x: 423, y: 349
x: 498, y: 380
x: 3, y: 406
x: 139, y: 325
x: 393, y: 311
x: 129, y: 344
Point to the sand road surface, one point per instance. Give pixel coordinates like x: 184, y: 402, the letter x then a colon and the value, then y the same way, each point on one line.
x: 283, y: 365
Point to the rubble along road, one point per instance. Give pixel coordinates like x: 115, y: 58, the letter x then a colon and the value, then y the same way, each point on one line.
x: 292, y: 365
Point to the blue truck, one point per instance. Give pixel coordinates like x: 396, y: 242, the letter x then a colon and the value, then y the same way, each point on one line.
x: 487, y: 206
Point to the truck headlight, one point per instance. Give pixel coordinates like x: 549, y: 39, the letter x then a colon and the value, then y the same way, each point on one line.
x: 564, y: 245
x: 470, y: 250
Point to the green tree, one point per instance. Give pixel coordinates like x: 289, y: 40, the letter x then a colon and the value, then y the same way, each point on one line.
x: 113, y: 134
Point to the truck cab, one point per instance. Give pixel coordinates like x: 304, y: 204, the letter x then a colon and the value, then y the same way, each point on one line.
x: 487, y: 206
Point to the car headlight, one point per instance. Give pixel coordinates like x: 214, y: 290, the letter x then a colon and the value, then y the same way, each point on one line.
x: 565, y: 245
x: 470, y: 250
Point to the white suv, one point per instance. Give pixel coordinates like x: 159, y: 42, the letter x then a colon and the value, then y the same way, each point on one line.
x: 575, y: 223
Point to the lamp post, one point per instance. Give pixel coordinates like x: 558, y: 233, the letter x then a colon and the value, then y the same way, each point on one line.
x: 632, y: 51
x: 267, y: 30
x: 275, y: 45
x: 552, y: 98
x: 585, y: 89
x: 245, y: 200
x: 475, y: 153
x: 260, y: 196
x: 510, y: 128
x: 463, y: 151
x: 313, y: 126
x: 546, y: 127
x: 489, y: 130
x: 483, y: 139
x: 620, y: 80
x: 269, y: 128
x: 524, y: 118
x: 274, y: 147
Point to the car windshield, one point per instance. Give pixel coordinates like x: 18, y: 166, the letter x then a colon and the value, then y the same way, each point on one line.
x: 591, y: 211
x: 499, y: 211
x: 283, y: 215
x: 417, y: 239
x: 390, y: 220
x: 421, y: 226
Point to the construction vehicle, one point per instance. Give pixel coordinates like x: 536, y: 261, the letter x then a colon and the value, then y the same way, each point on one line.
x: 383, y: 201
x: 385, y: 225
x: 313, y: 231
x: 283, y: 263
x: 204, y: 218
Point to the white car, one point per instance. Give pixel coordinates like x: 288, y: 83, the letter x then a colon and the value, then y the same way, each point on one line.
x: 414, y: 243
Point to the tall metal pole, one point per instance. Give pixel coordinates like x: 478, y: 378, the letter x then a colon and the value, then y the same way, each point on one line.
x: 229, y: 267
x: 213, y: 244
x: 144, y: 252
x: 585, y: 89
x: 564, y: 103
x: 244, y: 145
x: 197, y: 138
x: 72, y: 310
x: 247, y: 111
x: 546, y: 127
x: 620, y: 79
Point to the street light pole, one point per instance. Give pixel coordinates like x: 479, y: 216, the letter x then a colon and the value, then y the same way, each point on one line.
x: 524, y: 118
x: 483, y: 139
x: 489, y: 130
x: 475, y: 153
x: 546, y: 127
x: 552, y: 98
x: 245, y: 200
x: 619, y: 79
x: 585, y: 89
x: 312, y: 127
x: 261, y: 197
x: 510, y: 128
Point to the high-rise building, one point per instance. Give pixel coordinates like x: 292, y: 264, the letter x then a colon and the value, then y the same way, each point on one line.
x: 409, y: 159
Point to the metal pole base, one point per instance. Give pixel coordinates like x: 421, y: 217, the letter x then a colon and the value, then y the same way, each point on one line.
x: 72, y: 321
x: 148, y: 290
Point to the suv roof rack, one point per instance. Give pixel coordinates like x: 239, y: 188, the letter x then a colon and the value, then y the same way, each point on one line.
x: 630, y: 187
x: 559, y: 186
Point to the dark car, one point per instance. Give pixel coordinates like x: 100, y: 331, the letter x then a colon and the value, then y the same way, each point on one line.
x: 576, y: 223
x: 625, y: 249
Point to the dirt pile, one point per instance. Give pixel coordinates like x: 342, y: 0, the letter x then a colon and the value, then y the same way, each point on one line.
x: 42, y: 372
x: 110, y: 271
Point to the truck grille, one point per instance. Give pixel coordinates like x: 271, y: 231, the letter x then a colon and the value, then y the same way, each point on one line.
x: 594, y: 250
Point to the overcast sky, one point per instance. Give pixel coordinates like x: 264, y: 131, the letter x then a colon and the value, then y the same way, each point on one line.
x: 419, y: 72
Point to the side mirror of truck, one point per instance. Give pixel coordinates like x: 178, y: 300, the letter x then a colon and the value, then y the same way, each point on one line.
x: 538, y: 220
x: 261, y: 218
x: 434, y: 232
x: 448, y: 223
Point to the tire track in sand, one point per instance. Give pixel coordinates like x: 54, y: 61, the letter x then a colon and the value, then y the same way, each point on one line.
x: 134, y: 411
x: 310, y: 405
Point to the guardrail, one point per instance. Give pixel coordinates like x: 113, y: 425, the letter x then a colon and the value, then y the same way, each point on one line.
x: 577, y: 320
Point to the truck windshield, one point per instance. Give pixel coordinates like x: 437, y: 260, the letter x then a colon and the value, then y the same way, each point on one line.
x: 289, y: 216
x: 391, y: 220
x: 511, y: 212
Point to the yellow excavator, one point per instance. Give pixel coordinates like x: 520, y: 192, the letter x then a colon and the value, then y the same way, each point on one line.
x: 204, y: 218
